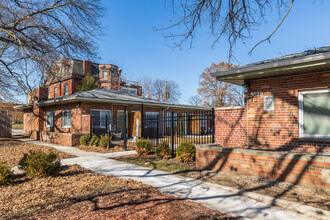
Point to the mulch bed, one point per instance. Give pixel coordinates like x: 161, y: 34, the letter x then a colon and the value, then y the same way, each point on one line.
x: 78, y: 193
x: 12, y: 150
x: 280, y: 190
x: 113, y: 148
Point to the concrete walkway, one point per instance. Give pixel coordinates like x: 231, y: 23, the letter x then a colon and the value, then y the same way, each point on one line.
x: 213, y: 196
x: 75, y: 151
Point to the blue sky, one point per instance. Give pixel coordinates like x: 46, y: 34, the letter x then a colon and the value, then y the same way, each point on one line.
x: 131, y: 42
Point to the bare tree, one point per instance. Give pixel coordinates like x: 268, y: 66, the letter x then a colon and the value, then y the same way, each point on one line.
x: 147, y: 84
x: 229, y: 19
x: 34, y: 34
x: 196, y: 100
x: 215, y: 93
x: 172, y: 90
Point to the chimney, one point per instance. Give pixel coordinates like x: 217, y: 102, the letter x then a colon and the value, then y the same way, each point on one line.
x: 87, y: 67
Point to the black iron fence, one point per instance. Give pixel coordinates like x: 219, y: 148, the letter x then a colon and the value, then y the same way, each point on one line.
x: 196, y: 127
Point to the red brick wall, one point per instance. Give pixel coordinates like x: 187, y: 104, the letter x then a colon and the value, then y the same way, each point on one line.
x: 282, y: 166
x: 230, y: 127
x: 276, y: 129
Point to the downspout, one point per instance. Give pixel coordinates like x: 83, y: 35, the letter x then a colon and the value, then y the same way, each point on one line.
x: 246, y: 91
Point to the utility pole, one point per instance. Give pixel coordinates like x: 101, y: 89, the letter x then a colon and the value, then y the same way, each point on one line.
x: 165, y: 90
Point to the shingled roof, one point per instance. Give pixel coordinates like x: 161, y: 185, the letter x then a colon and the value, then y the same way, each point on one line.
x: 104, y: 95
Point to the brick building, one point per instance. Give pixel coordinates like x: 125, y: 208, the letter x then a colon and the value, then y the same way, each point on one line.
x: 58, y: 113
x: 8, y: 108
x: 283, y: 131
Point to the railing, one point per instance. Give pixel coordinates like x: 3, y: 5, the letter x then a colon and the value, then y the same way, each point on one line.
x: 196, y: 127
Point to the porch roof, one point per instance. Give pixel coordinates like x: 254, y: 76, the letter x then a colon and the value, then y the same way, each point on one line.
x: 315, y: 60
x: 104, y: 95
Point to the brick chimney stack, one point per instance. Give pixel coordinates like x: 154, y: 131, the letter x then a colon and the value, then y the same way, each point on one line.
x: 87, y: 67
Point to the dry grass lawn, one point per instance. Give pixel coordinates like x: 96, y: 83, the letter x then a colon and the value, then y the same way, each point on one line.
x: 77, y: 193
x: 11, y: 151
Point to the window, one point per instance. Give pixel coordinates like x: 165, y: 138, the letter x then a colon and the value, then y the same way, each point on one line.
x: 129, y: 90
x: 55, y: 92
x: 66, y: 119
x: 151, y: 119
x: 168, y: 119
x: 105, y: 74
x: 100, y: 117
x: 66, y: 71
x: 65, y: 89
x: 314, y: 113
x: 49, y: 119
x: 49, y: 93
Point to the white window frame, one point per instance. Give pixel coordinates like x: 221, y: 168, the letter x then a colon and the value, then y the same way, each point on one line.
x: 66, y: 126
x: 52, y: 121
x: 301, y: 115
x: 55, y: 92
x: 106, y: 74
x: 101, y: 110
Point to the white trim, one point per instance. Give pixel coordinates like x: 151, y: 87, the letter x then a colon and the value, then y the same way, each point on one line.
x: 301, y: 115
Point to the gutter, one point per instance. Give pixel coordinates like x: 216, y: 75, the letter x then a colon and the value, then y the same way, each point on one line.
x: 311, y: 60
x: 56, y: 101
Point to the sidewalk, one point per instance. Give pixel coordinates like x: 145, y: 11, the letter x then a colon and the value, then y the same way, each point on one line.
x: 211, y: 195
x: 73, y: 150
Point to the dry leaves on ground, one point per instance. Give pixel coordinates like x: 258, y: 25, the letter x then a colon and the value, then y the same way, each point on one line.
x: 79, y: 194
x: 11, y: 151
x: 114, y: 148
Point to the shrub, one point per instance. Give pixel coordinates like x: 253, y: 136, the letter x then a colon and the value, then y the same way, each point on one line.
x: 6, y: 176
x: 186, y: 152
x: 94, y: 141
x: 38, y: 163
x: 18, y: 122
x: 104, y: 141
x: 143, y: 147
x: 84, y: 140
x: 163, y: 150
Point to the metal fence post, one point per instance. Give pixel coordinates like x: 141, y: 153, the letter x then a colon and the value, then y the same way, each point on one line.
x: 106, y: 124
x: 125, y: 129
x: 108, y: 146
x: 172, y: 132
x: 142, y: 122
x: 157, y: 130
x: 91, y: 127
x: 213, y: 126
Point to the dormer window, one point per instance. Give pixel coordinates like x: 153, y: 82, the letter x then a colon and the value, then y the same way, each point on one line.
x: 105, y: 74
x: 55, y: 92
x: 66, y: 71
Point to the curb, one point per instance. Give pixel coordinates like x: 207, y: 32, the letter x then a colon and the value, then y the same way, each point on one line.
x: 304, y: 210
